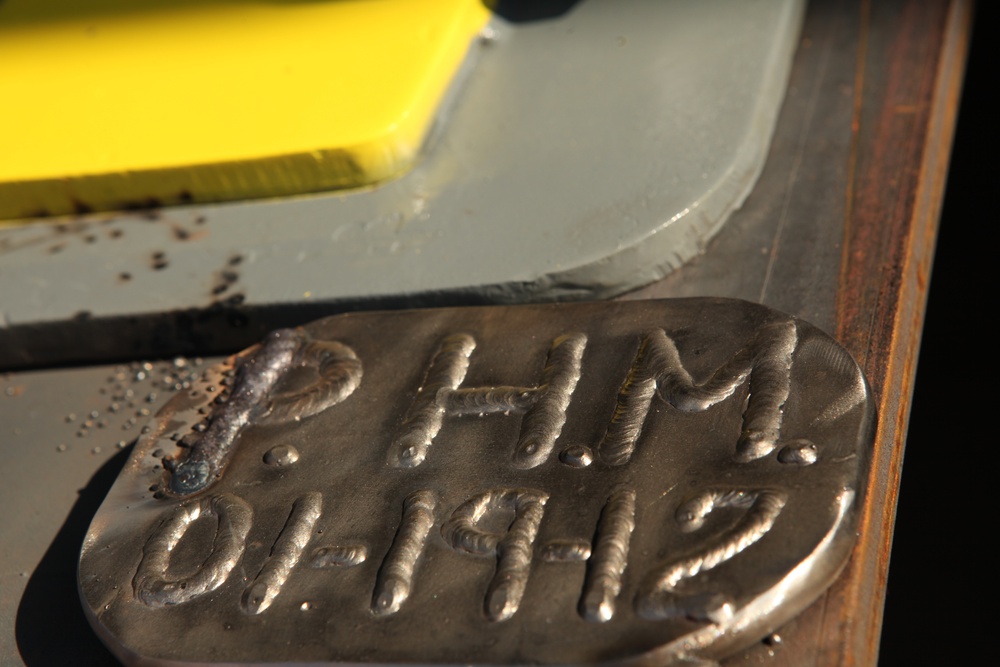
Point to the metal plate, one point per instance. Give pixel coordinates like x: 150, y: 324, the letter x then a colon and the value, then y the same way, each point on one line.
x: 577, y: 158
x: 614, y: 483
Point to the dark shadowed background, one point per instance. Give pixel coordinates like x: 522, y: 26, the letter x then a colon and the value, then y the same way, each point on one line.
x: 943, y: 567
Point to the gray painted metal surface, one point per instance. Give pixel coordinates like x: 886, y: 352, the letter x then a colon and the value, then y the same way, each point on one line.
x: 613, y: 483
x: 63, y: 434
x: 577, y: 158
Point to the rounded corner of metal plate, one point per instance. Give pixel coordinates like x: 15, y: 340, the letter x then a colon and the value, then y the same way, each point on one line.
x: 618, y: 483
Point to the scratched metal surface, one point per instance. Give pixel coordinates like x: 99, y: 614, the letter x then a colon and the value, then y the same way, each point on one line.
x: 365, y: 475
x: 579, y: 157
x: 783, y: 247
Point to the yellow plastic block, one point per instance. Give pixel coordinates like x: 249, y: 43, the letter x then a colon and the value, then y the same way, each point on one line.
x: 108, y: 104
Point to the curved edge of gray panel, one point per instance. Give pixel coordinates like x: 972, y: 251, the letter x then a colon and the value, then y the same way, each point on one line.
x: 575, y: 158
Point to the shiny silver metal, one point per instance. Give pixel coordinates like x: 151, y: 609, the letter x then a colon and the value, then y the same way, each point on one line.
x: 631, y: 483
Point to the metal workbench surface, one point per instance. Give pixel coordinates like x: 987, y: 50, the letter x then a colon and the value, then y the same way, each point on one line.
x: 839, y: 231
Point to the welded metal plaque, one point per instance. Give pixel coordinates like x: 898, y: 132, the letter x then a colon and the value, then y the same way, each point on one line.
x: 611, y: 483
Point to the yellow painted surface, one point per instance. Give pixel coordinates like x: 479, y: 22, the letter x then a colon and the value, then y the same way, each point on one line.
x: 115, y: 103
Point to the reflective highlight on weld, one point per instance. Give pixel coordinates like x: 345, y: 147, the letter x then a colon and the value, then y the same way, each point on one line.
x: 543, y: 406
